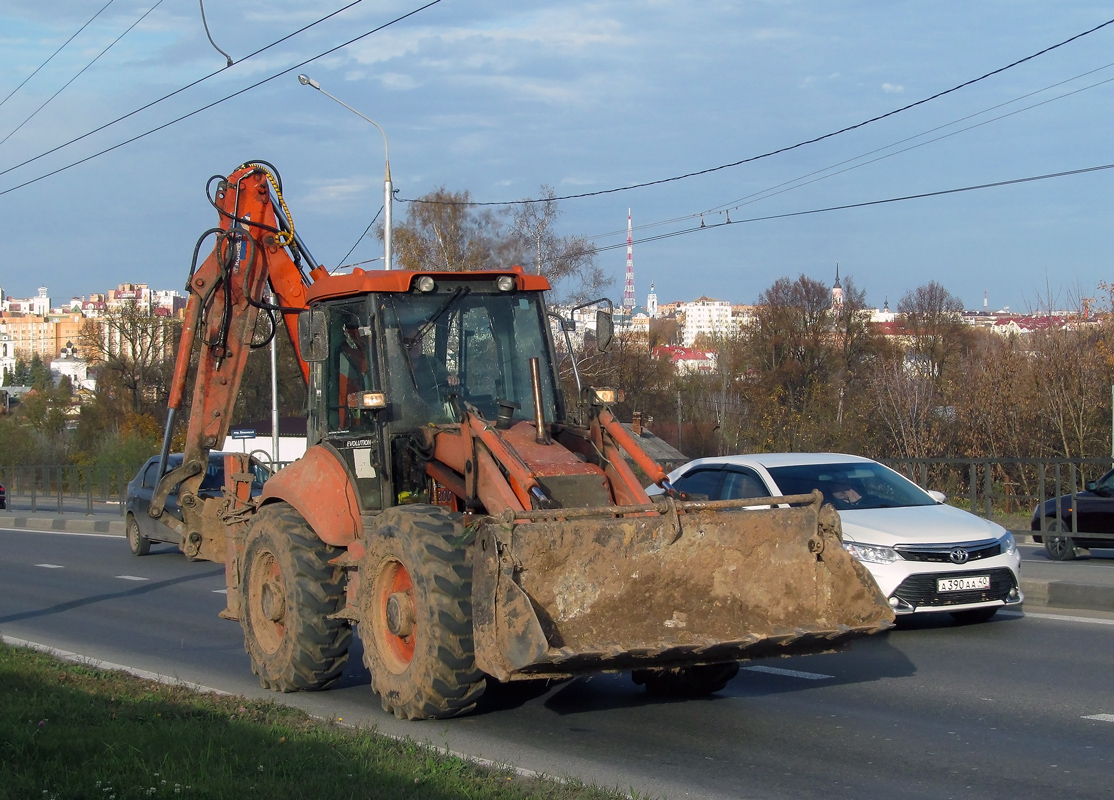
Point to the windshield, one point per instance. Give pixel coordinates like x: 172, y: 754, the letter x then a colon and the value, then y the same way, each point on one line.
x: 1104, y: 486
x: 466, y: 344
x: 849, y: 486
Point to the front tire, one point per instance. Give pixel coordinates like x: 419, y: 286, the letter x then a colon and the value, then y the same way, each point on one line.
x: 139, y: 544
x: 686, y: 681
x: 1058, y: 548
x: 289, y: 591
x: 416, y: 614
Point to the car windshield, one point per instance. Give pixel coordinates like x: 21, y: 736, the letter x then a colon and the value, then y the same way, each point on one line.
x: 848, y: 486
x: 1104, y: 486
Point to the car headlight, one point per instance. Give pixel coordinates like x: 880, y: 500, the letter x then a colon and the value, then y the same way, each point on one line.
x: 871, y: 552
x: 1007, y: 543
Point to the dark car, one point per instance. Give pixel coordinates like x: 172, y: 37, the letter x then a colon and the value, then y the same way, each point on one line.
x: 142, y: 529
x: 3, y: 497
x: 1094, y: 513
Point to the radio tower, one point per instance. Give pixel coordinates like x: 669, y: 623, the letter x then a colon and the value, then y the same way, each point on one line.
x: 628, y: 290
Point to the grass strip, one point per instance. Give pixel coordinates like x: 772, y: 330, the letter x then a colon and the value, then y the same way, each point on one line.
x: 72, y: 731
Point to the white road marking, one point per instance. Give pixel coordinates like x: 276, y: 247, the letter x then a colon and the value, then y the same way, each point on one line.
x: 50, y: 566
x: 131, y: 578
x: 1101, y: 717
x: 220, y: 591
x: 1061, y: 617
x: 791, y: 673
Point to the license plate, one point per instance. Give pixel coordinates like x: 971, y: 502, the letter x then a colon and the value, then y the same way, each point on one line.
x: 963, y: 584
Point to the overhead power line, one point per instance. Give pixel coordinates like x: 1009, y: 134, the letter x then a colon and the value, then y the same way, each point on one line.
x: 56, y: 52
x: 78, y: 75
x: 847, y: 206
x: 787, y: 148
x: 178, y: 91
x: 826, y: 173
x: 195, y: 112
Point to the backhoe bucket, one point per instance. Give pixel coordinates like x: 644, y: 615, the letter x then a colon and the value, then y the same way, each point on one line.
x: 556, y: 593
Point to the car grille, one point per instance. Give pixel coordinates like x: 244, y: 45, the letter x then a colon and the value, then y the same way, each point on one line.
x: 942, y: 553
x: 920, y: 590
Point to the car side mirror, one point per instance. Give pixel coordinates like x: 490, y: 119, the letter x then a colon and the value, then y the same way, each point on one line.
x: 939, y: 497
x: 313, y: 335
x: 1090, y: 486
x: 605, y: 330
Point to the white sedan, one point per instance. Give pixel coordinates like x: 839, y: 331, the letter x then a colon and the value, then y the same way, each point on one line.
x: 925, y: 556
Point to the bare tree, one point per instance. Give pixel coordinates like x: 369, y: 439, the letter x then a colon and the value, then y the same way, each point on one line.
x: 569, y: 262
x: 442, y: 231
x: 131, y: 350
x: 930, y: 317
x: 906, y: 402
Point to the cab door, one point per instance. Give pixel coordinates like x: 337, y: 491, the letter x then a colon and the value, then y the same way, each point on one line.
x: 353, y: 434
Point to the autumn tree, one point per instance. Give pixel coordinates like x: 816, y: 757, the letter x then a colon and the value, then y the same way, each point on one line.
x: 931, y: 320
x: 253, y: 402
x: 443, y: 231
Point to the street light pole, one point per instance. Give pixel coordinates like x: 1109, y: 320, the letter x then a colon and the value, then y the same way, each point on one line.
x: 388, y: 192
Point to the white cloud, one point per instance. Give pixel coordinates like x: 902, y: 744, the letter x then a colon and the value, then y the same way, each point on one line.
x: 892, y: 88
x: 338, y: 190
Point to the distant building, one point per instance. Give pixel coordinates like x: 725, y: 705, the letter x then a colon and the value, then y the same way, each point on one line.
x: 72, y: 366
x: 7, y: 354
x: 688, y: 360
x: 705, y: 316
x: 40, y: 335
x: 37, y: 306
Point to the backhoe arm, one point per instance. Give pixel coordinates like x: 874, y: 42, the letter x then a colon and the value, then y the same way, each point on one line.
x: 252, y: 246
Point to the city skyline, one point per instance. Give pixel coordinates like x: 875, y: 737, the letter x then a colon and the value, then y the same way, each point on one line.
x: 502, y: 99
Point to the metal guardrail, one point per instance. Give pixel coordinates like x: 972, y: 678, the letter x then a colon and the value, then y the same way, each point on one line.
x: 990, y: 487
x: 1006, y: 486
x: 67, y: 488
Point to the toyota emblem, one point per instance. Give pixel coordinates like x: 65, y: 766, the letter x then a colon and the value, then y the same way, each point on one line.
x: 958, y: 556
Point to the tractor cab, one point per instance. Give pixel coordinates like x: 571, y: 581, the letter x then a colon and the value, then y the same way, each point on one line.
x: 406, y: 351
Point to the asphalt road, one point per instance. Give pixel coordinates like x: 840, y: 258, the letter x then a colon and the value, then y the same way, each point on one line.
x: 933, y: 710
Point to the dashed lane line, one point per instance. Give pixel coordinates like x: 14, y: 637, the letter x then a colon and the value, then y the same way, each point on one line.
x: 1101, y: 717
x: 50, y: 566
x: 790, y: 673
x: 131, y: 578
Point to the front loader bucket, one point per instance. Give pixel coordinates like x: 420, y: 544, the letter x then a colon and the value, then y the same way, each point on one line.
x: 561, y: 592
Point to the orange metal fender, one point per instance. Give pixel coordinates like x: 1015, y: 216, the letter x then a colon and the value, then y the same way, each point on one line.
x: 318, y: 488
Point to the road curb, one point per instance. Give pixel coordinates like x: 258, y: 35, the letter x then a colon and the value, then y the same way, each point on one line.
x: 1063, y: 594
x: 114, y: 527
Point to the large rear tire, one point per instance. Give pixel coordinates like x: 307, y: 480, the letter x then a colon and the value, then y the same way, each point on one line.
x: 1058, y: 548
x: 686, y: 681
x: 416, y: 614
x: 139, y: 544
x: 289, y: 591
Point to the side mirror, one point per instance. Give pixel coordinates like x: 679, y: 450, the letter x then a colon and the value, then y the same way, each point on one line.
x: 313, y: 334
x: 1090, y: 486
x: 605, y: 330
x: 939, y: 497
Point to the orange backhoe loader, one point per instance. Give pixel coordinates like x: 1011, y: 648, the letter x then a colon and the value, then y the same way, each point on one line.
x: 456, y: 506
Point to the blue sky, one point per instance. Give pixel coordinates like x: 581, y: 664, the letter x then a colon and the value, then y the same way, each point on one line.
x: 501, y: 97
